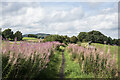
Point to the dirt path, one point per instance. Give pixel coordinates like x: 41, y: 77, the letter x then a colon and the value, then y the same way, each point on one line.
x: 62, y: 66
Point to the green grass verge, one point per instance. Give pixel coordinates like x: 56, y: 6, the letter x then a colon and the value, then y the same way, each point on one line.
x: 72, y: 68
x: 118, y: 59
x: 53, y: 69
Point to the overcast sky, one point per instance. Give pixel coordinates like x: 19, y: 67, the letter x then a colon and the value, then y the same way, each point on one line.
x: 64, y: 18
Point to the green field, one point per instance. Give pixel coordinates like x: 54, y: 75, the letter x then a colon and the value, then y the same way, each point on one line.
x: 72, y: 68
x: 29, y: 38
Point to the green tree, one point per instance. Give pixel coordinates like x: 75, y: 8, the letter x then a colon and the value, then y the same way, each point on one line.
x: 8, y: 34
x: 32, y: 35
x: 118, y: 42
x: 60, y: 38
x: 66, y: 39
x: 96, y: 37
x: 18, y: 35
x: 90, y: 37
x: 115, y: 41
x: 81, y: 36
x: 95, y: 32
x: 109, y: 41
x: 53, y: 38
x: 73, y: 39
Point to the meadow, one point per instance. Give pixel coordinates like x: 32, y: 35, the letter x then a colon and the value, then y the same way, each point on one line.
x: 31, y: 39
x: 40, y: 60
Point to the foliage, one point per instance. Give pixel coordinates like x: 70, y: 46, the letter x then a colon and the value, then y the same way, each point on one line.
x: 73, y: 39
x: 116, y: 41
x: 8, y: 34
x: 96, y: 37
x: 109, y: 40
x: 18, y: 35
x: 32, y: 35
x: 81, y: 36
x: 61, y: 39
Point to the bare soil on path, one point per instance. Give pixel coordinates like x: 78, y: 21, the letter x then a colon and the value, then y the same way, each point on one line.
x: 62, y: 67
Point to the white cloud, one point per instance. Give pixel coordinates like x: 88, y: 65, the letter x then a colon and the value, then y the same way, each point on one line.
x: 103, y: 21
x: 30, y: 19
x: 63, y: 15
x: 29, y: 16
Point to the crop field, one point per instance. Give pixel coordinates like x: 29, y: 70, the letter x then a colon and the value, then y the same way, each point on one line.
x: 40, y: 60
x: 31, y: 39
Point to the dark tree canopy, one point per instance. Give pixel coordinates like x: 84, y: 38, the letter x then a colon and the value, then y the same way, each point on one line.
x: 62, y: 39
x: 109, y: 40
x: 18, y: 35
x: 115, y: 41
x: 66, y: 39
x: 95, y: 32
x: 95, y: 37
x: 81, y: 36
x: 118, y: 42
x: 32, y: 35
x: 8, y: 34
x: 73, y: 39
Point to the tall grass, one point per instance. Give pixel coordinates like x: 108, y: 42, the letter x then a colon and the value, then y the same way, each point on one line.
x: 26, y: 60
x: 95, y: 61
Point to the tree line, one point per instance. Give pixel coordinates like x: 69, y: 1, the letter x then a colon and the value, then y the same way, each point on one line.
x: 92, y: 36
x: 8, y: 34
